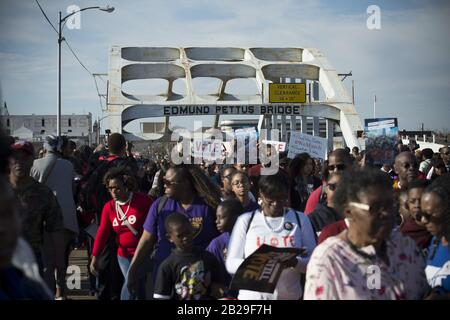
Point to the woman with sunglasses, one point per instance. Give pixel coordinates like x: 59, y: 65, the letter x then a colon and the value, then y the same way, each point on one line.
x: 275, y: 225
x: 369, y: 260
x: 326, y: 214
x: 436, y: 216
x: 187, y: 191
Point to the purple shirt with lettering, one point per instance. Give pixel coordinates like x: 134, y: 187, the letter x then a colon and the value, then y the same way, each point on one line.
x: 201, y: 216
x: 218, y: 247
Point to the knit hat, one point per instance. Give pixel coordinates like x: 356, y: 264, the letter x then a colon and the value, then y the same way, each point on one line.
x: 53, y: 143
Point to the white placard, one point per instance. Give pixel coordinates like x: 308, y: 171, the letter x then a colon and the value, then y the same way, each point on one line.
x: 208, y: 149
x: 315, y: 146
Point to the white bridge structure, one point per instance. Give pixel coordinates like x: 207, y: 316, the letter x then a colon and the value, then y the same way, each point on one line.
x: 263, y: 65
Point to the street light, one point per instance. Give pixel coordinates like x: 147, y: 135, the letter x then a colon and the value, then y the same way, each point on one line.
x: 61, y: 23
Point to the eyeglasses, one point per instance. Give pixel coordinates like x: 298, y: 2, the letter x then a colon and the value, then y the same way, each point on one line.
x: 339, y: 167
x: 243, y: 183
x: 373, y: 209
x: 332, y: 186
x: 169, y: 183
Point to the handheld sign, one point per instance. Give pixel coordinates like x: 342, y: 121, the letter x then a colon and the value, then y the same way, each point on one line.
x: 208, y: 149
x: 381, y: 134
x: 262, y: 269
x: 316, y: 147
x: 278, y: 145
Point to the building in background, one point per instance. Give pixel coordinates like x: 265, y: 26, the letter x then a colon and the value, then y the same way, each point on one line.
x: 35, y: 128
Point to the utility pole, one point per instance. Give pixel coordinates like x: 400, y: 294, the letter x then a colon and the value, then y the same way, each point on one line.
x: 353, y: 91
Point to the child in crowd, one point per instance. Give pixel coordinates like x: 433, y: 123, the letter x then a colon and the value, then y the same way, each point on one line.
x: 189, y: 273
x: 227, y: 213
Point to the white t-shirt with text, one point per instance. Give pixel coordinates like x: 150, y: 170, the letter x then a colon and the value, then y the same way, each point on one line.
x: 281, y: 232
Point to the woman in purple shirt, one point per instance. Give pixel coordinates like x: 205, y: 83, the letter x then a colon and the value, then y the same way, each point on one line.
x: 187, y: 191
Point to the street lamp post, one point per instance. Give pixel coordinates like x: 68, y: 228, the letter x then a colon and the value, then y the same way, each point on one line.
x: 61, y: 22
x: 99, y: 120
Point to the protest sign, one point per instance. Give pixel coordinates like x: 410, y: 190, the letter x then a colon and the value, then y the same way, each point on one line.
x: 316, y: 147
x: 262, y: 269
x: 381, y: 138
x: 207, y: 149
x: 278, y: 145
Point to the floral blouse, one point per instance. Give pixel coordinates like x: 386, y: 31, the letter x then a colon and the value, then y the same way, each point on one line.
x: 339, y: 271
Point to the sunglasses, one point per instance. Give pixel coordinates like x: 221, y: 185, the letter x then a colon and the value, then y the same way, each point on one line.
x: 339, y: 167
x: 428, y: 217
x: 243, y: 183
x: 373, y: 209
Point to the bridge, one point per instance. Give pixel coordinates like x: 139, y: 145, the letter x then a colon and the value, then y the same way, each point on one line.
x: 327, y: 101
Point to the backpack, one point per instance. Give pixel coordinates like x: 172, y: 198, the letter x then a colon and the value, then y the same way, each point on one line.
x: 323, y: 195
x: 94, y: 194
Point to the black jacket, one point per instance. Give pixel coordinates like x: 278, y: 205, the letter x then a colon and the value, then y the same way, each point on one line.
x: 323, y: 216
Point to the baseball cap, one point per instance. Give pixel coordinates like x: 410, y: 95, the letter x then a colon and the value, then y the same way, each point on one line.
x: 24, y: 146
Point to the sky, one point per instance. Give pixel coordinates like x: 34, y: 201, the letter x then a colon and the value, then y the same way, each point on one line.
x: 405, y: 63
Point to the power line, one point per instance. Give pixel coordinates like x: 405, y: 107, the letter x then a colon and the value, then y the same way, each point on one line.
x: 98, y: 93
x: 100, y: 76
x: 76, y: 57
x: 68, y: 45
x: 100, y: 96
x: 42, y: 10
x: 90, y: 73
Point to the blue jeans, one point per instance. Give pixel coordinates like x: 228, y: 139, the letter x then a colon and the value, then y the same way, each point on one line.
x: 124, y: 264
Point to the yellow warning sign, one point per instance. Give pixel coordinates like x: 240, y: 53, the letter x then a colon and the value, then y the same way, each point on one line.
x: 287, y: 92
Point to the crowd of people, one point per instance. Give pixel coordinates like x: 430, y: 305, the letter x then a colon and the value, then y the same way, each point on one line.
x: 155, y: 230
